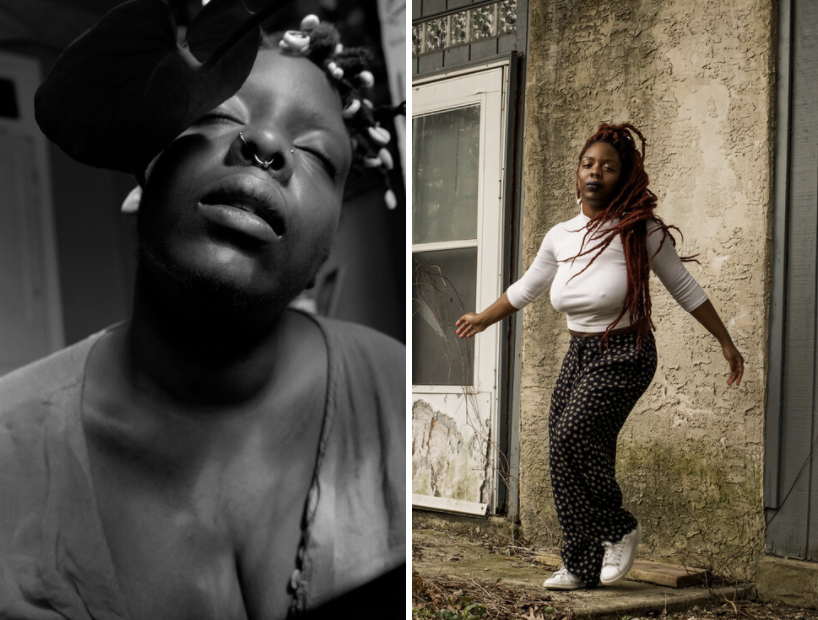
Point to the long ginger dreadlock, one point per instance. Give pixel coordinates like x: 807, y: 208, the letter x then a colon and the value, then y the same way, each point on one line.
x: 628, y: 213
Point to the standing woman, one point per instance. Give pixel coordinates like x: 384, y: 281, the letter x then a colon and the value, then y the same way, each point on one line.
x: 598, y: 267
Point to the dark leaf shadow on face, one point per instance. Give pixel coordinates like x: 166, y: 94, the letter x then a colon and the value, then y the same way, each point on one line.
x: 125, y: 89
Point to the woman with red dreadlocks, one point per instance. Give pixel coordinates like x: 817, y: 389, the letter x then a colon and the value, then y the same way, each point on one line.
x: 597, y: 265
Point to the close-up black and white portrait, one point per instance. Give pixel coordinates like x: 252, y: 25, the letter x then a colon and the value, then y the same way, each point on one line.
x: 202, y: 308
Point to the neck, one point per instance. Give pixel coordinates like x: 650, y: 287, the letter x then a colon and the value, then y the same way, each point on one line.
x: 593, y: 208
x: 196, y: 352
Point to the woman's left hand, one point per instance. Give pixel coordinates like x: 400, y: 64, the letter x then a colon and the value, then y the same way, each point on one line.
x: 706, y: 315
x: 736, y: 362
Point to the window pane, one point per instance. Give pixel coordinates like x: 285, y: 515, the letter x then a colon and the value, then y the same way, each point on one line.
x: 445, y: 154
x: 443, y: 289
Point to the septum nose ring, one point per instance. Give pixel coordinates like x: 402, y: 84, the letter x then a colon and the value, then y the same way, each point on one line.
x: 261, y: 162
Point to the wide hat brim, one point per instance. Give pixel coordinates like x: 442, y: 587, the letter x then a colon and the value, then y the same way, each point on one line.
x: 125, y: 89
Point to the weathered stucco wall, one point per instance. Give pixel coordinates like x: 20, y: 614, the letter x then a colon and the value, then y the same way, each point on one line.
x: 697, y: 79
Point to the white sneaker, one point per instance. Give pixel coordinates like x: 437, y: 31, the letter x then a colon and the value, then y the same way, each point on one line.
x: 619, y: 556
x: 563, y: 579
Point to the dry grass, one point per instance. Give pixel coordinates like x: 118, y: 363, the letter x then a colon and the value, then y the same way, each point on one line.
x: 743, y: 609
x: 464, y: 599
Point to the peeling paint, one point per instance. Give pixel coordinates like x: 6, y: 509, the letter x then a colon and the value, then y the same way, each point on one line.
x: 448, y: 458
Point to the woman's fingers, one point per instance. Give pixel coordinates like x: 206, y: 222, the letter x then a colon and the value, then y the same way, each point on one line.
x: 466, y: 331
x: 466, y: 325
x: 740, y: 370
x: 736, y: 362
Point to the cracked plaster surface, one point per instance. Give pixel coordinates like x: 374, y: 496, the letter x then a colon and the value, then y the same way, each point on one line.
x: 697, y: 79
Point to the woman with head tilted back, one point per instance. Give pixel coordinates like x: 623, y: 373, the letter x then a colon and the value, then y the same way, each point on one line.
x: 598, y: 267
x: 220, y: 456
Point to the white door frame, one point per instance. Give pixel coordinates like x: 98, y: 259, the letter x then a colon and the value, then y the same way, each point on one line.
x: 487, y: 86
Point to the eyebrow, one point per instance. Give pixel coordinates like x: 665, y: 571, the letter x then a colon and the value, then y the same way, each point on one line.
x: 584, y: 157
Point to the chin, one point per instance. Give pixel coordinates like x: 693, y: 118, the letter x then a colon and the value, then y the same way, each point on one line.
x: 223, y: 282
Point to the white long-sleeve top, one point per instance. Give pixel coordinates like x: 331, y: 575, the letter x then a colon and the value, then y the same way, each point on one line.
x: 594, y: 299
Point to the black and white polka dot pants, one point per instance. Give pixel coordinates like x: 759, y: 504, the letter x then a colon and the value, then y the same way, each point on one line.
x: 595, y: 392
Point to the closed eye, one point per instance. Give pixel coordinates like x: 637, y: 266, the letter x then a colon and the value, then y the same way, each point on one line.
x: 325, y: 161
x: 217, y: 116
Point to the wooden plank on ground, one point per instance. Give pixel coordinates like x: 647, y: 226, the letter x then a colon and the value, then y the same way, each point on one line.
x: 445, y: 504
x: 670, y: 575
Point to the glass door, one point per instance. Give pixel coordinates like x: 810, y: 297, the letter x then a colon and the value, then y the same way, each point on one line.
x: 458, y: 136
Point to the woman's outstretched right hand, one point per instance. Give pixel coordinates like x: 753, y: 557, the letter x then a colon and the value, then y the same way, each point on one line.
x: 472, y: 323
x: 469, y: 324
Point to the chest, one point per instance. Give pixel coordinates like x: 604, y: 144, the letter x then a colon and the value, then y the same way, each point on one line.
x: 581, y: 266
x: 586, y: 280
x: 207, y: 533
x: 571, y: 241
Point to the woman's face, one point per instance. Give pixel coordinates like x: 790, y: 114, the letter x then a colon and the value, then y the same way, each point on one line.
x: 212, y: 216
x: 598, y: 175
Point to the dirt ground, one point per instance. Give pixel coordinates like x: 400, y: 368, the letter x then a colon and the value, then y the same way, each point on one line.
x: 469, y: 596
x: 471, y: 599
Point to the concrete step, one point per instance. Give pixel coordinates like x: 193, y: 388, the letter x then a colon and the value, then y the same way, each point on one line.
x: 438, y: 555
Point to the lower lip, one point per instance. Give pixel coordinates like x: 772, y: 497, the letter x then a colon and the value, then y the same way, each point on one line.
x: 592, y: 187
x: 233, y: 218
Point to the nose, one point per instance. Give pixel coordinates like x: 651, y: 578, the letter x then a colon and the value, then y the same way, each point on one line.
x: 264, y: 149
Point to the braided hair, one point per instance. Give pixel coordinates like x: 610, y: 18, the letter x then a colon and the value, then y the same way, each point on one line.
x: 347, y: 70
x: 627, y: 216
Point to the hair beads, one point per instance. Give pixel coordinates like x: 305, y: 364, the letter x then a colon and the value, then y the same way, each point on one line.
x: 346, y: 68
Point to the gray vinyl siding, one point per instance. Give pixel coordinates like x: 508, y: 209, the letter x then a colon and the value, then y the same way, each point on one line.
x: 791, y: 480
